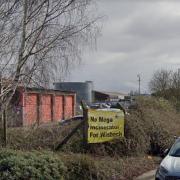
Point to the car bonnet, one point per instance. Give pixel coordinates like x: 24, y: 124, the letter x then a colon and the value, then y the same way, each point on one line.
x: 172, y: 164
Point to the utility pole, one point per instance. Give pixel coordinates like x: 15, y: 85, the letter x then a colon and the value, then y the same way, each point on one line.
x: 139, y: 81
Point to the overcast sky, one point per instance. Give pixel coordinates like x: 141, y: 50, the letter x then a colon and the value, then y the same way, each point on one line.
x: 138, y: 37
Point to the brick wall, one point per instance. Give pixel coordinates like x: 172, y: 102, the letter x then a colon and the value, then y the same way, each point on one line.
x: 44, y: 108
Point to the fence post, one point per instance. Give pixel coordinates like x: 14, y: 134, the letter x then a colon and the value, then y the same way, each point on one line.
x: 66, y: 139
x: 85, y: 125
x: 4, y: 120
x: 3, y: 114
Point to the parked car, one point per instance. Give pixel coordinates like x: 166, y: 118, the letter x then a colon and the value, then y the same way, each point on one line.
x: 169, y: 168
x: 99, y: 106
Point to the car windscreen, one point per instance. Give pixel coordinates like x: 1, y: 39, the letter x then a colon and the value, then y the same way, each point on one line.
x: 175, y: 150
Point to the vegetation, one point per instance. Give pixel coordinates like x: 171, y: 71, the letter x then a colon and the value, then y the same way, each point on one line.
x: 40, y: 41
x: 166, y: 84
x: 30, y: 165
x: 102, y: 168
x: 150, y: 128
x: 50, y: 166
x: 153, y: 125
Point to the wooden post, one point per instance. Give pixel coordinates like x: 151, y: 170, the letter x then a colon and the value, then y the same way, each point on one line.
x: 4, y: 120
x: 3, y: 114
x: 85, y: 125
x: 65, y: 140
x: 1, y: 100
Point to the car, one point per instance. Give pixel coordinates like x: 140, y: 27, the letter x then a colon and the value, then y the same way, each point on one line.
x: 169, y: 168
x: 99, y: 106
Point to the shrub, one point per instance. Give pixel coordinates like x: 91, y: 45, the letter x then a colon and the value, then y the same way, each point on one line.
x: 152, y: 125
x: 37, y: 138
x: 102, y: 168
x: 46, y: 165
x: 30, y: 165
x: 81, y: 167
x: 148, y: 129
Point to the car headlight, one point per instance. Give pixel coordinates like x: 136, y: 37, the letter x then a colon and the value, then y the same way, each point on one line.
x: 163, y: 170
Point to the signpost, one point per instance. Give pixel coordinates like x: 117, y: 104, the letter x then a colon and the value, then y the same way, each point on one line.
x: 99, y: 125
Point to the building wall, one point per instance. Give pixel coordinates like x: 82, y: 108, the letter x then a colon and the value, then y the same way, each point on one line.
x: 45, y: 108
x: 83, y: 90
x: 30, y: 109
x: 58, y: 114
x: 69, y: 106
x: 98, y: 97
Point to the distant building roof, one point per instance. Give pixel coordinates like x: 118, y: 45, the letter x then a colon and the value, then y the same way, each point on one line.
x: 103, y: 95
x: 114, y: 93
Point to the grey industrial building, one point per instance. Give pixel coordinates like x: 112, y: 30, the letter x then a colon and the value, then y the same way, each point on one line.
x: 102, y: 96
x: 83, y: 90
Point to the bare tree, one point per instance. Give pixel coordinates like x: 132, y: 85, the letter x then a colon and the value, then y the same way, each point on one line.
x: 166, y: 84
x: 40, y: 39
x: 176, y: 80
x: 161, y: 81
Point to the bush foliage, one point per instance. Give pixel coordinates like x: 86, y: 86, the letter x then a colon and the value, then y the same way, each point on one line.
x: 102, y: 168
x: 150, y: 128
x: 45, y: 165
x: 30, y: 165
x: 153, y: 125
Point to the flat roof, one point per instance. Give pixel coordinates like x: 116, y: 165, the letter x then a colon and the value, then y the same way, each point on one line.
x: 112, y: 93
x: 36, y: 89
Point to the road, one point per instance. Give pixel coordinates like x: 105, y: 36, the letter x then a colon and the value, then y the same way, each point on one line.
x: 147, y: 176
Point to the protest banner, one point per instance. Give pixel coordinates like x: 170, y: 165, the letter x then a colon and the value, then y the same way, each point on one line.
x: 104, y: 125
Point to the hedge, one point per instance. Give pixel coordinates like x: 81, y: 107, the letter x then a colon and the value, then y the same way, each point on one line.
x: 30, y: 165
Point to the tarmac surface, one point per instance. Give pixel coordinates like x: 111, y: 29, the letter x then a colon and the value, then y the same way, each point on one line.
x: 147, y: 176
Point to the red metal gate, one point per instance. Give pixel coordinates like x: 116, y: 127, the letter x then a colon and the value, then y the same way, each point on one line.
x: 69, y: 107
x: 45, y: 108
x: 30, y: 109
x: 58, y: 108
